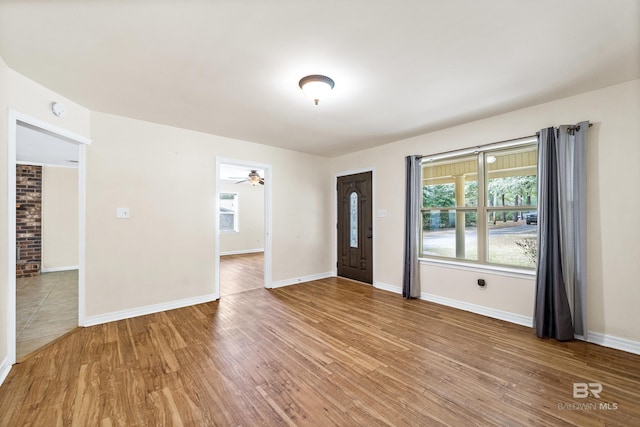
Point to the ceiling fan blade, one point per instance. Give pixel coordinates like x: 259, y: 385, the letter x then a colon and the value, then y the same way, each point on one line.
x: 253, y: 178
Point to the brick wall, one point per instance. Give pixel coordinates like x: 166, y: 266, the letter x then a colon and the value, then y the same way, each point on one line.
x: 28, y: 220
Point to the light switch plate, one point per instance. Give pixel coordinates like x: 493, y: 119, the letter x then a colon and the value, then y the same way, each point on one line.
x: 122, y: 213
x: 382, y: 213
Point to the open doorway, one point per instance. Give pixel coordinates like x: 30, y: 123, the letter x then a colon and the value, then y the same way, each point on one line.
x: 243, y: 241
x: 46, y: 238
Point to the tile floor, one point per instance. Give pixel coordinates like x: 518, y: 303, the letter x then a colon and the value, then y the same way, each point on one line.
x: 46, y: 308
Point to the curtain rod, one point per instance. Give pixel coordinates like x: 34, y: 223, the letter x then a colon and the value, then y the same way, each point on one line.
x: 571, y: 128
x: 474, y: 150
x: 494, y: 145
x: 577, y: 127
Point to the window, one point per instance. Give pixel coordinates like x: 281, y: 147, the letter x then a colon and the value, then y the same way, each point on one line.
x: 482, y: 207
x: 229, y: 212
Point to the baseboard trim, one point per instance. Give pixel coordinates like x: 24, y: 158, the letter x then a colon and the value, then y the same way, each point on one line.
x: 54, y: 269
x: 149, y: 309
x: 242, y: 252
x: 297, y: 280
x: 507, y: 316
x: 387, y: 287
x: 618, y: 343
x: 461, y: 305
x: 5, y: 368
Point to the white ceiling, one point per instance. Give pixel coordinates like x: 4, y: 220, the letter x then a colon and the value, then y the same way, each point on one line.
x: 34, y: 145
x: 401, y: 67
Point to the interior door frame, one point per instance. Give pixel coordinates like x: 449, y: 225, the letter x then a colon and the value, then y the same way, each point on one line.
x: 268, y: 244
x: 373, y: 217
x: 14, y: 118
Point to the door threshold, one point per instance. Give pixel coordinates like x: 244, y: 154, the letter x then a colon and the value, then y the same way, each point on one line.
x: 354, y: 280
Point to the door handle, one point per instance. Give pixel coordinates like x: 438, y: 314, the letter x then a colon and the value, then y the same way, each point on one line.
x: 369, y: 234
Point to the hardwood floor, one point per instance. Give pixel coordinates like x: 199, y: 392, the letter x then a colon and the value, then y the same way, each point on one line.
x: 240, y: 273
x: 328, y: 352
x: 46, y: 308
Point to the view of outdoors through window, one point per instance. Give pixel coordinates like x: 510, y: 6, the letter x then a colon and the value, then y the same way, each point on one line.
x: 451, y: 208
x: 228, y: 212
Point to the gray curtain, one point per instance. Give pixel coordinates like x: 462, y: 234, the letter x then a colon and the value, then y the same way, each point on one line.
x: 560, y: 310
x: 411, y: 276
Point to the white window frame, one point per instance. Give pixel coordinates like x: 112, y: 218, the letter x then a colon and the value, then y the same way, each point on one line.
x: 236, y: 204
x: 482, y: 209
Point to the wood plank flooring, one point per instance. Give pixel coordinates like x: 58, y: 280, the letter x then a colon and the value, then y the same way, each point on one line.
x: 323, y: 353
x: 239, y: 273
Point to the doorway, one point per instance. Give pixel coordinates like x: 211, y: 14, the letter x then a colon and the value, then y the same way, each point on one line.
x: 243, y: 239
x: 46, y: 242
x: 355, y: 226
x: 35, y: 145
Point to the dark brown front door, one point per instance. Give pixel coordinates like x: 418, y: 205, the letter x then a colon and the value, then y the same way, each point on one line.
x: 355, y: 227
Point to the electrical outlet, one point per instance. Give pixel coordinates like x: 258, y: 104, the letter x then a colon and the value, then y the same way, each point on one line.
x: 122, y: 213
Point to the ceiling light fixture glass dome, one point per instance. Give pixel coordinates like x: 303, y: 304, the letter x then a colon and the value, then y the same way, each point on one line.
x: 316, y: 87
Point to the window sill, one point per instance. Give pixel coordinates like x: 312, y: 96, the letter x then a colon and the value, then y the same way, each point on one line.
x: 481, y: 268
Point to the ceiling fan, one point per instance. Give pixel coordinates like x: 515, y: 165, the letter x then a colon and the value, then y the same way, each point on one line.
x: 253, y: 179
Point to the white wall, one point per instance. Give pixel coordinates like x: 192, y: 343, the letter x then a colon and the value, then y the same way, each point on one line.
x: 613, y: 158
x: 166, y: 176
x: 250, y: 235
x: 59, y: 218
x: 4, y: 219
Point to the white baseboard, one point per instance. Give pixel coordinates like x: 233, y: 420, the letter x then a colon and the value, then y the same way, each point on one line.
x: 461, y: 305
x: 386, y: 287
x: 148, y: 309
x: 479, y: 309
x: 53, y: 269
x: 614, y: 342
x: 242, y: 252
x: 5, y: 367
x: 302, y: 279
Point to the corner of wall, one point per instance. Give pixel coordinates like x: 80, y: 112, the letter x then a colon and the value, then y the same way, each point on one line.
x: 5, y: 368
x: 4, y: 213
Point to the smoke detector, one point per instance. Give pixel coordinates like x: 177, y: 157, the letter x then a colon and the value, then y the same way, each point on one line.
x: 58, y: 109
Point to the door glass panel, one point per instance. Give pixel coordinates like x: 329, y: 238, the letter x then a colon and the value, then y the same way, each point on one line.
x: 353, y: 219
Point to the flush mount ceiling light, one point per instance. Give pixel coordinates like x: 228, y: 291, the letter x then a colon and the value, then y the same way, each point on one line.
x: 316, y: 87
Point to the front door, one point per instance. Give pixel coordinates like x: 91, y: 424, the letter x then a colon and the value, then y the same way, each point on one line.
x: 355, y: 227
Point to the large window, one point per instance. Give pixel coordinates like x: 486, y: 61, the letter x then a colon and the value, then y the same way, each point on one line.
x: 481, y: 207
x: 229, y: 212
